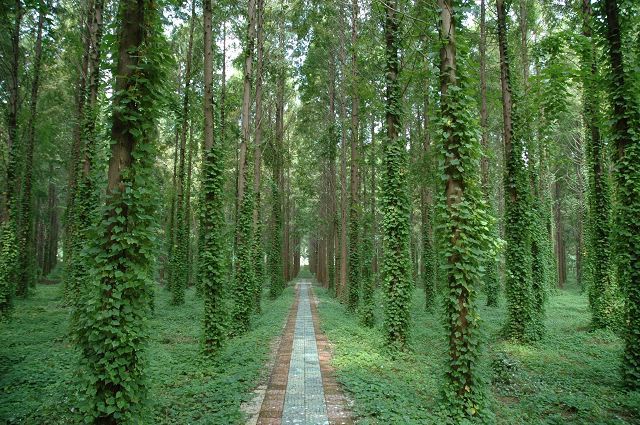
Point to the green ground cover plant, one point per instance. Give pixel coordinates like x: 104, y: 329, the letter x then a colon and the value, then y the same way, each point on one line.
x: 38, y: 362
x: 569, y: 377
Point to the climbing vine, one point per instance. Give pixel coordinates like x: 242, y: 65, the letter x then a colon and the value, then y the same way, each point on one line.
x: 396, y: 262
x: 626, y: 230
x: 275, y: 253
x: 111, y: 322
x: 8, y: 257
x: 212, y: 251
x: 244, y: 291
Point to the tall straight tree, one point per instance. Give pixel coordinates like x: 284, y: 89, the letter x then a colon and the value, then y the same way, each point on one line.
x: 626, y: 118
x: 258, y: 249
x: 244, y: 291
x: 491, y: 283
x: 276, y: 254
x: 601, y: 287
x: 466, y: 229
x: 395, y: 204
x: 111, y: 328
x: 26, y: 259
x: 211, y: 256
x: 82, y: 208
x: 354, y: 205
x: 9, y: 241
x: 180, y: 253
x: 521, y: 323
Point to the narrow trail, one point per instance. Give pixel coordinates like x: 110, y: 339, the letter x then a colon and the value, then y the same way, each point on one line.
x: 302, y: 389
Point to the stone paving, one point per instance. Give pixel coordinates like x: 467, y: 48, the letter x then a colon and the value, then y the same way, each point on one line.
x: 304, y: 399
x: 302, y: 388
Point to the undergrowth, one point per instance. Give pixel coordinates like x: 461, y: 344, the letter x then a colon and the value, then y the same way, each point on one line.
x: 38, y: 363
x: 570, y: 377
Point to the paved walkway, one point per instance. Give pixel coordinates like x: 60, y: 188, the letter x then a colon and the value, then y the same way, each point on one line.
x: 304, y: 400
x: 302, y: 389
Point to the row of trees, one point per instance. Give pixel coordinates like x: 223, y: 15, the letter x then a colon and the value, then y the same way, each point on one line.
x: 365, y: 137
x: 140, y: 129
x: 431, y: 184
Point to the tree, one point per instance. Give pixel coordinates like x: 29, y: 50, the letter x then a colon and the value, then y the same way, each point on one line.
x: 211, y: 258
x: 8, y: 204
x: 467, y: 239
x: 111, y: 327
x: 180, y: 264
x: 396, y: 262
x: 491, y: 282
x: 26, y: 259
x: 276, y: 253
x: 244, y: 291
x: 258, y: 248
x: 600, y: 286
x: 521, y: 323
x: 84, y: 203
x: 354, y: 207
x: 626, y: 118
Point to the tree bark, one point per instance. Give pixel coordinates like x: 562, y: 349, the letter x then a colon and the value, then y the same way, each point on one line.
x: 354, y: 218
x: 246, y: 101
x: 26, y: 236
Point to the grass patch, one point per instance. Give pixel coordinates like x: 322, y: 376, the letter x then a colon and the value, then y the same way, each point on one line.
x: 571, y: 377
x: 38, y: 363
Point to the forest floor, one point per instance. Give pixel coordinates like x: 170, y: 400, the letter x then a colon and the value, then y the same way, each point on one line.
x: 38, y: 362
x: 571, y: 377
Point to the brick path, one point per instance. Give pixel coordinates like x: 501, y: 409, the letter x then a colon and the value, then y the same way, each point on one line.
x: 302, y: 389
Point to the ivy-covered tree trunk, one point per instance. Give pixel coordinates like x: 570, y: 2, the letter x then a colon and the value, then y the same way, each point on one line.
x: 427, y: 261
x: 180, y: 253
x: 9, y: 245
x: 26, y: 237
x: 354, y: 204
x: 83, y: 209
x: 396, y: 261
x: 111, y: 326
x: 368, y: 243
x: 69, y: 244
x: 626, y: 119
x: 275, y: 254
x: 491, y: 282
x: 466, y: 230
x: 601, y: 287
x: 212, y: 254
x: 341, y: 288
x: 518, y: 258
x: 258, y: 249
x: 244, y: 290
x: 332, y: 241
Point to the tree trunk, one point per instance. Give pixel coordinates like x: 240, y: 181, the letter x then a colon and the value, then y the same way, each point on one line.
x: 342, y: 287
x: 601, y: 288
x: 246, y: 101
x: 212, y: 222
x: 126, y: 234
x: 354, y: 204
x: 626, y: 112
x: 180, y: 260
x: 561, y: 254
x: 27, y: 253
x: 518, y: 285
x: 396, y: 261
